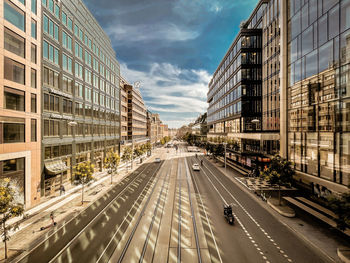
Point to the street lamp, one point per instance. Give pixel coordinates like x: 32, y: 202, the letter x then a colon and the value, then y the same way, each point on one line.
x: 225, y: 143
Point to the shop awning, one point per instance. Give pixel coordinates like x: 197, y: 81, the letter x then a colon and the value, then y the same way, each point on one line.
x: 55, y: 167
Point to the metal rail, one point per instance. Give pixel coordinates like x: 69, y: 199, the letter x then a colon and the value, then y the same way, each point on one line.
x: 179, y: 220
x: 137, y: 222
x: 154, y: 217
x: 101, y: 212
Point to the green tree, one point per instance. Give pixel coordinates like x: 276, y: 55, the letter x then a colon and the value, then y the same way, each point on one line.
x: 8, y: 209
x: 111, y: 163
x: 82, y: 175
x: 138, y: 151
x: 148, y: 147
x: 279, y: 172
x: 127, y: 154
x: 341, y: 207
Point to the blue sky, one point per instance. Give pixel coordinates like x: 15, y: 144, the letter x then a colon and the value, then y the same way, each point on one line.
x: 171, y: 46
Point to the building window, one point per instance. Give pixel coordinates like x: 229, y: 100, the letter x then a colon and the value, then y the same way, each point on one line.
x: 33, y: 53
x: 14, y: 15
x: 14, y: 132
x: 33, y: 78
x: 57, y: 11
x: 51, y: 128
x: 66, y: 63
x: 51, y: 5
x: 51, y: 77
x: 33, y: 103
x: 51, y: 102
x: 14, y: 99
x: 67, y: 85
x: 67, y: 106
x: 33, y: 136
x: 33, y: 29
x: 14, y: 43
x: 14, y: 71
x: 33, y: 6
x: 70, y: 24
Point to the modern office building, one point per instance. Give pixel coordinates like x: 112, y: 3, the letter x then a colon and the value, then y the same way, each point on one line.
x: 316, y: 92
x: 136, y: 132
x: 235, y: 93
x: 20, y: 132
x: 123, y: 110
x: 80, y: 92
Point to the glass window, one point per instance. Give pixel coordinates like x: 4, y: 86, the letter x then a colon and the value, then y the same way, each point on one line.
x: 14, y: 43
x: 33, y: 53
x: 33, y: 6
x: 33, y: 103
x: 33, y: 29
x: 345, y: 15
x: 70, y: 24
x: 14, y: 99
x: 33, y: 78
x: 307, y: 41
x: 325, y: 56
x: 51, y: 5
x: 333, y: 22
x: 311, y: 64
x: 56, y: 61
x: 304, y: 17
x: 14, y: 132
x: 322, y: 30
x: 33, y: 130
x: 46, y: 24
x: 64, y: 18
x: 56, y: 32
x: 14, y: 71
x: 57, y: 11
x: 14, y: 15
x: 312, y: 11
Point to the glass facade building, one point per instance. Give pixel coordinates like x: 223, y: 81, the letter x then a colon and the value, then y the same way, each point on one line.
x: 80, y: 92
x: 318, y: 92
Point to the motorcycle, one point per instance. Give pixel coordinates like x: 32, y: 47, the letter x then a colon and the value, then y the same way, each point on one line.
x: 228, y: 214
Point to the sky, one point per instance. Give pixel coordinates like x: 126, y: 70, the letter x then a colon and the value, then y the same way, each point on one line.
x: 172, y: 47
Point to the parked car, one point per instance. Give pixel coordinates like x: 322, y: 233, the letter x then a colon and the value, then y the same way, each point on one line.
x: 195, y: 167
x: 157, y: 160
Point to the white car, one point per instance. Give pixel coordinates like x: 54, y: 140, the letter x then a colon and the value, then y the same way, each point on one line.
x: 157, y: 160
x: 195, y: 167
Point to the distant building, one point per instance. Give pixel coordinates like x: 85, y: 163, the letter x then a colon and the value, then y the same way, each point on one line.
x: 134, y: 115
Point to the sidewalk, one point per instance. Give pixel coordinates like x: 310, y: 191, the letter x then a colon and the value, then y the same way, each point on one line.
x: 64, y: 207
x: 324, y: 239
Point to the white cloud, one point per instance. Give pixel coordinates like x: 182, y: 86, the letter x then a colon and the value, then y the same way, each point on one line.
x: 178, y: 95
x: 151, y: 32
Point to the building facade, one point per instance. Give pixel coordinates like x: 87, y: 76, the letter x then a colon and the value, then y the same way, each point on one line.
x: 20, y: 125
x: 80, y: 92
x: 134, y: 116
x: 317, y: 91
x: 235, y: 93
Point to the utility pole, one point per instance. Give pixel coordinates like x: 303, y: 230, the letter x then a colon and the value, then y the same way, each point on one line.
x: 225, y: 143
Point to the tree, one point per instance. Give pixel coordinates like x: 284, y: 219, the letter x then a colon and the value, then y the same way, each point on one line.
x: 138, y: 151
x: 148, y: 147
x: 341, y: 207
x: 111, y: 163
x: 82, y: 175
x: 8, y: 209
x: 127, y: 154
x: 279, y: 172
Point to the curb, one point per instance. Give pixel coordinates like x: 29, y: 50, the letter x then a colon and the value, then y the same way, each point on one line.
x: 342, y: 256
x: 286, y: 214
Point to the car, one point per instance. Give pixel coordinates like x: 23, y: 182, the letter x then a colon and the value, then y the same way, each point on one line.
x: 195, y: 167
x: 157, y: 160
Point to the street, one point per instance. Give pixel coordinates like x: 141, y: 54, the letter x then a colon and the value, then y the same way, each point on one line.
x: 166, y: 212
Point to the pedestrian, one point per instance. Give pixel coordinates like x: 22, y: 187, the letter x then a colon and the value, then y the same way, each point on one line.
x: 62, y: 190
x: 52, y: 219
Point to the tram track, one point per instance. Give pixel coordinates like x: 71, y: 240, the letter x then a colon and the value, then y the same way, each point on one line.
x: 54, y: 247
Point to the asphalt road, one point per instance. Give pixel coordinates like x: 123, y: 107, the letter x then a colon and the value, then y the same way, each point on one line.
x: 169, y: 213
x: 85, y: 238
x: 256, y: 236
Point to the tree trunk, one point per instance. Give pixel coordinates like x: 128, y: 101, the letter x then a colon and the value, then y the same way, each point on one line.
x: 279, y: 195
x: 82, y: 194
x: 5, y: 238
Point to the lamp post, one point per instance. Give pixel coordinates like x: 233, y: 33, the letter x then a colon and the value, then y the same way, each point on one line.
x: 225, y: 143
x: 132, y: 153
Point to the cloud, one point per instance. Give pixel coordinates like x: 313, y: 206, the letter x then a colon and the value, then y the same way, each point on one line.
x: 151, y: 32
x: 178, y: 95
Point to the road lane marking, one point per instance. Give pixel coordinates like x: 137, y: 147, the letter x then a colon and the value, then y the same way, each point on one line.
x: 243, y: 208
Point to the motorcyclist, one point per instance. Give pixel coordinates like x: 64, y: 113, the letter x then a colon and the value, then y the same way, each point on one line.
x: 196, y: 155
x: 201, y: 162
